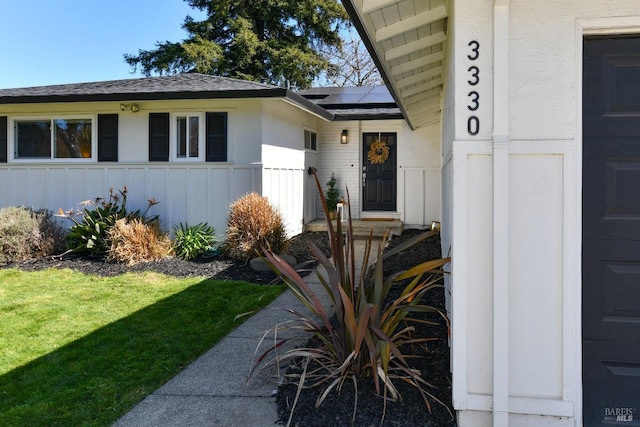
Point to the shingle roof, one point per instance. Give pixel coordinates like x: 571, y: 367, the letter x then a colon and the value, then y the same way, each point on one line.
x: 179, y: 86
x: 339, y: 103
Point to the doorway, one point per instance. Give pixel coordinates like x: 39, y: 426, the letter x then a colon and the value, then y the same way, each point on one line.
x: 379, y: 175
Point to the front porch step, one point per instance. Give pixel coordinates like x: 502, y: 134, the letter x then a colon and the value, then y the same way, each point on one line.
x: 362, y: 228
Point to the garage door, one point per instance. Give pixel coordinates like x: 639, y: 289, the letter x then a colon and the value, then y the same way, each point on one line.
x: 611, y: 231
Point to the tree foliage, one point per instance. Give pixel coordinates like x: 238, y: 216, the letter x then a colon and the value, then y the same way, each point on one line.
x: 275, y: 41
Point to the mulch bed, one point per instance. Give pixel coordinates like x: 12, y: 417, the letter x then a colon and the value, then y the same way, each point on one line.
x: 432, y: 362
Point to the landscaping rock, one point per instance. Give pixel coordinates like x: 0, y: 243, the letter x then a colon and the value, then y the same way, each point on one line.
x: 258, y: 263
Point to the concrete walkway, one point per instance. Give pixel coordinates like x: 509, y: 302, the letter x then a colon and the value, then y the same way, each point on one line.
x: 213, y: 390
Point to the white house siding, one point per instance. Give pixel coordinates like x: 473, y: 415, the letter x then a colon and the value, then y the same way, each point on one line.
x: 285, y: 160
x: 187, y: 191
x: 64, y: 186
x: 543, y: 209
x: 419, y: 180
x: 342, y: 159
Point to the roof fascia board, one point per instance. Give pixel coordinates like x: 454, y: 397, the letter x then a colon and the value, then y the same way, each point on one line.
x: 289, y: 95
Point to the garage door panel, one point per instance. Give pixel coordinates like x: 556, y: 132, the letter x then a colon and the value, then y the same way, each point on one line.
x: 615, y: 382
x: 611, y: 231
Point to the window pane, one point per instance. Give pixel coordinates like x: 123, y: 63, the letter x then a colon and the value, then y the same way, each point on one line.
x: 307, y: 139
x: 193, y: 136
x: 33, y: 139
x: 72, y: 138
x: 182, y: 137
x: 314, y: 137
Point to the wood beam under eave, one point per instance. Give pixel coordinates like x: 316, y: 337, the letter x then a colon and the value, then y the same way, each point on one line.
x: 431, y: 104
x: 423, y: 61
x: 431, y: 101
x: 431, y: 119
x: 420, y: 97
x: 414, y: 46
x: 430, y: 84
x: 416, y: 78
x: 369, y: 6
x: 430, y: 109
x: 411, y: 23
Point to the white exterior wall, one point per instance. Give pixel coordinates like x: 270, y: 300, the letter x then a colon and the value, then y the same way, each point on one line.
x: 418, y: 166
x: 285, y: 161
x: 542, y: 206
x: 187, y: 191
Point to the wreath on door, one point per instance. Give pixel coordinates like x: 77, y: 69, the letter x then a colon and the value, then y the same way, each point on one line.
x: 378, y: 152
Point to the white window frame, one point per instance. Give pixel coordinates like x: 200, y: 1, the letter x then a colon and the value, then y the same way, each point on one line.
x: 36, y: 118
x: 304, y: 142
x: 173, y: 136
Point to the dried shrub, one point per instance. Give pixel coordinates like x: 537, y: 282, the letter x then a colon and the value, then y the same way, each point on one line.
x: 91, y: 224
x: 253, y: 224
x: 27, y: 233
x: 134, y: 241
x: 52, y: 234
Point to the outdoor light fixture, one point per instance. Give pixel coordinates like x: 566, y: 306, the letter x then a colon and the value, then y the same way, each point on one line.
x: 132, y: 107
x: 344, y: 137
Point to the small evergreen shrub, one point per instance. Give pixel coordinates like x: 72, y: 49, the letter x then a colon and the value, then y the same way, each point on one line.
x: 91, y: 224
x: 192, y: 241
x: 134, y: 241
x: 252, y: 224
x: 332, y: 194
x: 27, y: 233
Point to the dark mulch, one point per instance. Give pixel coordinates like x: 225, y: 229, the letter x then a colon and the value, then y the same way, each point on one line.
x: 218, y: 267
x: 337, y: 409
x: 433, y: 362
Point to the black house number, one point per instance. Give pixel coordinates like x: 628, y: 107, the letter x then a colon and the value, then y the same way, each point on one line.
x: 473, y: 122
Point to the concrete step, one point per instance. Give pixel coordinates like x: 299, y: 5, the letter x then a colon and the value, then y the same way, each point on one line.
x: 362, y: 228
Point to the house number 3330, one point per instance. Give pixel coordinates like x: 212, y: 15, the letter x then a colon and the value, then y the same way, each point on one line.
x: 473, y: 122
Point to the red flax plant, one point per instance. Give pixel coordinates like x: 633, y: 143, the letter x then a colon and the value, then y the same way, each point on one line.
x: 370, y: 337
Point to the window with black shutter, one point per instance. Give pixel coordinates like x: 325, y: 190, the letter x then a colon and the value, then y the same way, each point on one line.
x: 3, y: 139
x: 159, y: 137
x: 107, y: 137
x: 216, y: 137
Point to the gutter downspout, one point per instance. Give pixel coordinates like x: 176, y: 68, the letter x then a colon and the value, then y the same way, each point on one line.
x: 501, y: 213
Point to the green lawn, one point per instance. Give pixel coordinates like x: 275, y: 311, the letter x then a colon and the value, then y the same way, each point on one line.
x: 82, y: 350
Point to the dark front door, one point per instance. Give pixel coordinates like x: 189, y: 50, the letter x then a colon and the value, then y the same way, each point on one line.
x: 611, y: 231
x: 379, y: 186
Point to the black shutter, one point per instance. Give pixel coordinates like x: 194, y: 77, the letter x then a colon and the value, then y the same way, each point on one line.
x: 3, y: 139
x: 159, y: 137
x: 216, y: 137
x: 107, y: 137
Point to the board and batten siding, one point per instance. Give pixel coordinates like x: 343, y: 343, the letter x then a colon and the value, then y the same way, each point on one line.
x: 187, y: 193
x: 542, y: 373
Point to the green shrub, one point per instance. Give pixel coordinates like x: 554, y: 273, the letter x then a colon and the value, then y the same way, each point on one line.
x: 253, y: 224
x: 91, y: 224
x: 332, y: 195
x: 27, y: 233
x: 192, y: 241
x: 369, y: 338
x: 134, y: 241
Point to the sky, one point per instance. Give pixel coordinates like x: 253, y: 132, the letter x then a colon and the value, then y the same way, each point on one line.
x: 47, y: 42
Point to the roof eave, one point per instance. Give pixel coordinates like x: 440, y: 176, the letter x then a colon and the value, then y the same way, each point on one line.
x: 289, y: 95
x: 356, y: 19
